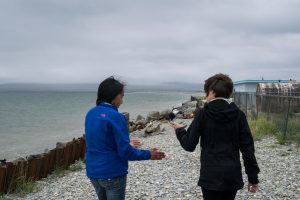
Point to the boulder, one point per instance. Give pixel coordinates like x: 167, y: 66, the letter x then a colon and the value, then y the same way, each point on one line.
x: 165, y: 114
x: 139, y: 127
x: 152, y: 127
x: 131, y: 127
x: 201, y: 103
x: 187, y: 110
x: 141, y: 121
x: 154, y: 115
x: 197, y: 98
x: 139, y: 117
x: 189, y: 104
x: 35, y: 156
x: 60, y: 145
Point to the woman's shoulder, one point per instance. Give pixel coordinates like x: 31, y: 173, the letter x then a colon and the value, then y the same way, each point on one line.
x: 115, y: 115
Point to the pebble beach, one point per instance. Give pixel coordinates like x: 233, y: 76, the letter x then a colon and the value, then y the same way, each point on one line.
x: 176, y: 176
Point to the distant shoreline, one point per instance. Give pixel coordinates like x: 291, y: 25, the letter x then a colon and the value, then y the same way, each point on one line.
x: 33, y: 87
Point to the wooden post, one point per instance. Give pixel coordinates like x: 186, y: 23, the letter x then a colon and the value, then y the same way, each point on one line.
x: 77, y: 149
x: 10, y: 167
x: 286, y: 119
x: 59, y: 159
x: 34, y: 168
x: 74, y: 146
x: 52, y: 160
x: 67, y: 155
x: 3, y: 174
x: 45, y: 168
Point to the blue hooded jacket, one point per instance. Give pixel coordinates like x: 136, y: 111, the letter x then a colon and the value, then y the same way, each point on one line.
x: 108, y: 143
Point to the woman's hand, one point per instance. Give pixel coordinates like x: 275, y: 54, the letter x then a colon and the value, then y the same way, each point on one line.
x: 176, y: 125
x: 156, y: 154
x: 135, y: 142
x: 252, y: 187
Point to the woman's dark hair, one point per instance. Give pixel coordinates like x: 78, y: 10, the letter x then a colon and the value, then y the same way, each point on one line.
x: 220, y: 84
x: 108, y: 90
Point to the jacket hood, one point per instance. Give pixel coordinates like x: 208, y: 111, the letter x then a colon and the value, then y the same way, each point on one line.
x: 221, y: 111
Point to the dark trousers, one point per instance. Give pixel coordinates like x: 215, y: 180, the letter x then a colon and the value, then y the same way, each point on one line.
x: 218, y: 195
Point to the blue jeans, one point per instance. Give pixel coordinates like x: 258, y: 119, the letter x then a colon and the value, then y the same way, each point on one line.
x: 111, y: 188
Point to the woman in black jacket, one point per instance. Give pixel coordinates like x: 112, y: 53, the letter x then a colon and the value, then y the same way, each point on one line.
x: 224, y: 133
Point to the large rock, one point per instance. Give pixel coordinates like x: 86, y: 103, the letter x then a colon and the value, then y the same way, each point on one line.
x: 201, y: 103
x: 140, y: 120
x: 201, y: 100
x: 152, y: 127
x: 189, y: 104
x: 35, y: 156
x: 197, y: 98
x: 131, y: 128
x: 61, y: 145
x: 139, y: 117
x: 154, y: 115
x: 165, y: 114
x: 188, y: 109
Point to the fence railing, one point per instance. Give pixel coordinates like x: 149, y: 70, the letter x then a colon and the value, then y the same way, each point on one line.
x: 284, y: 111
x: 35, y: 167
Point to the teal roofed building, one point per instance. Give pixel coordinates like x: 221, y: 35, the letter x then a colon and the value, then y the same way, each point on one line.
x: 251, y: 85
x: 267, y: 95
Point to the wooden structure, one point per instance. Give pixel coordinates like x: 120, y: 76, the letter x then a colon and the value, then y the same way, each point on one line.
x: 39, y: 166
x: 275, y: 97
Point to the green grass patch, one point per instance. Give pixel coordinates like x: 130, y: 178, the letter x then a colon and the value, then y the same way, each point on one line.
x: 20, y: 186
x: 272, y: 146
x: 284, y: 154
x: 293, y: 129
x: 77, y: 166
x: 261, y: 127
x: 2, y: 197
x: 280, y: 138
x: 60, y: 171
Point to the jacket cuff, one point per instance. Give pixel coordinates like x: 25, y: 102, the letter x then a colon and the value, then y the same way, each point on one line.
x: 148, y: 155
x: 253, y: 179
x: 179, y: 131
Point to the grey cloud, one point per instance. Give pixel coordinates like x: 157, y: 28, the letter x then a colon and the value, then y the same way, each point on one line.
x: 148, y: 41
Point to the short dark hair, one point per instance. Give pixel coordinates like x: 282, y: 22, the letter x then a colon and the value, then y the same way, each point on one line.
x: 220, y: 84
x: 109, y: 89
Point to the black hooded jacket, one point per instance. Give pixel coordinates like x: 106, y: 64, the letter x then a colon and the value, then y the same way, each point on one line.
x: 224, y: 133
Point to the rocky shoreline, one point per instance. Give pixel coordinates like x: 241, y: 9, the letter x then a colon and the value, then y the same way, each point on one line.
x: 176, y: 176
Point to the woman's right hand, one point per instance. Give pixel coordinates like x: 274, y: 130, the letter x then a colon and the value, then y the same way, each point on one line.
x: 135, y: 142
x: 176, y: 125
x: 156, y: 154
x: 252, y: 187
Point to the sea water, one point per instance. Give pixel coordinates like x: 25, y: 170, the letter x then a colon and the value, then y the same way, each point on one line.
x: 31, y: 122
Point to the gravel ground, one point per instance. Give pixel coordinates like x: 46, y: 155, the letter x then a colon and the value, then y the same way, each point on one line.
x: 176, y: 176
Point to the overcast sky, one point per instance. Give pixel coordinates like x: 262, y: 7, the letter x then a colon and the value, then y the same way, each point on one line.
x: 148, y: 41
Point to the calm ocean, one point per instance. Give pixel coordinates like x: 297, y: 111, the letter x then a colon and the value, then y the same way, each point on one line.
x: 33, y: 121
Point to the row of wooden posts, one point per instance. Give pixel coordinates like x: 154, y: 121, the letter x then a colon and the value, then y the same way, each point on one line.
x: 35, y: 167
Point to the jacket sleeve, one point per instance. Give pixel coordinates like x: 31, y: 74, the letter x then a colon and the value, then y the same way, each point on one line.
x: 246, y: 145
x: 121, y: 135
x: 190, y: 138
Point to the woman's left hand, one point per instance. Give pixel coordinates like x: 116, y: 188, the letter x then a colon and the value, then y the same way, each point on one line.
x: 176, y: 125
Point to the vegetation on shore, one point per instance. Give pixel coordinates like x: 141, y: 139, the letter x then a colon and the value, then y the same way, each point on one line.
x: 262, y: 126
x: 21, y: 187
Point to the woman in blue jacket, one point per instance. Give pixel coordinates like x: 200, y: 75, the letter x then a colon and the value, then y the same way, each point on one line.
x: 108, y: 143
